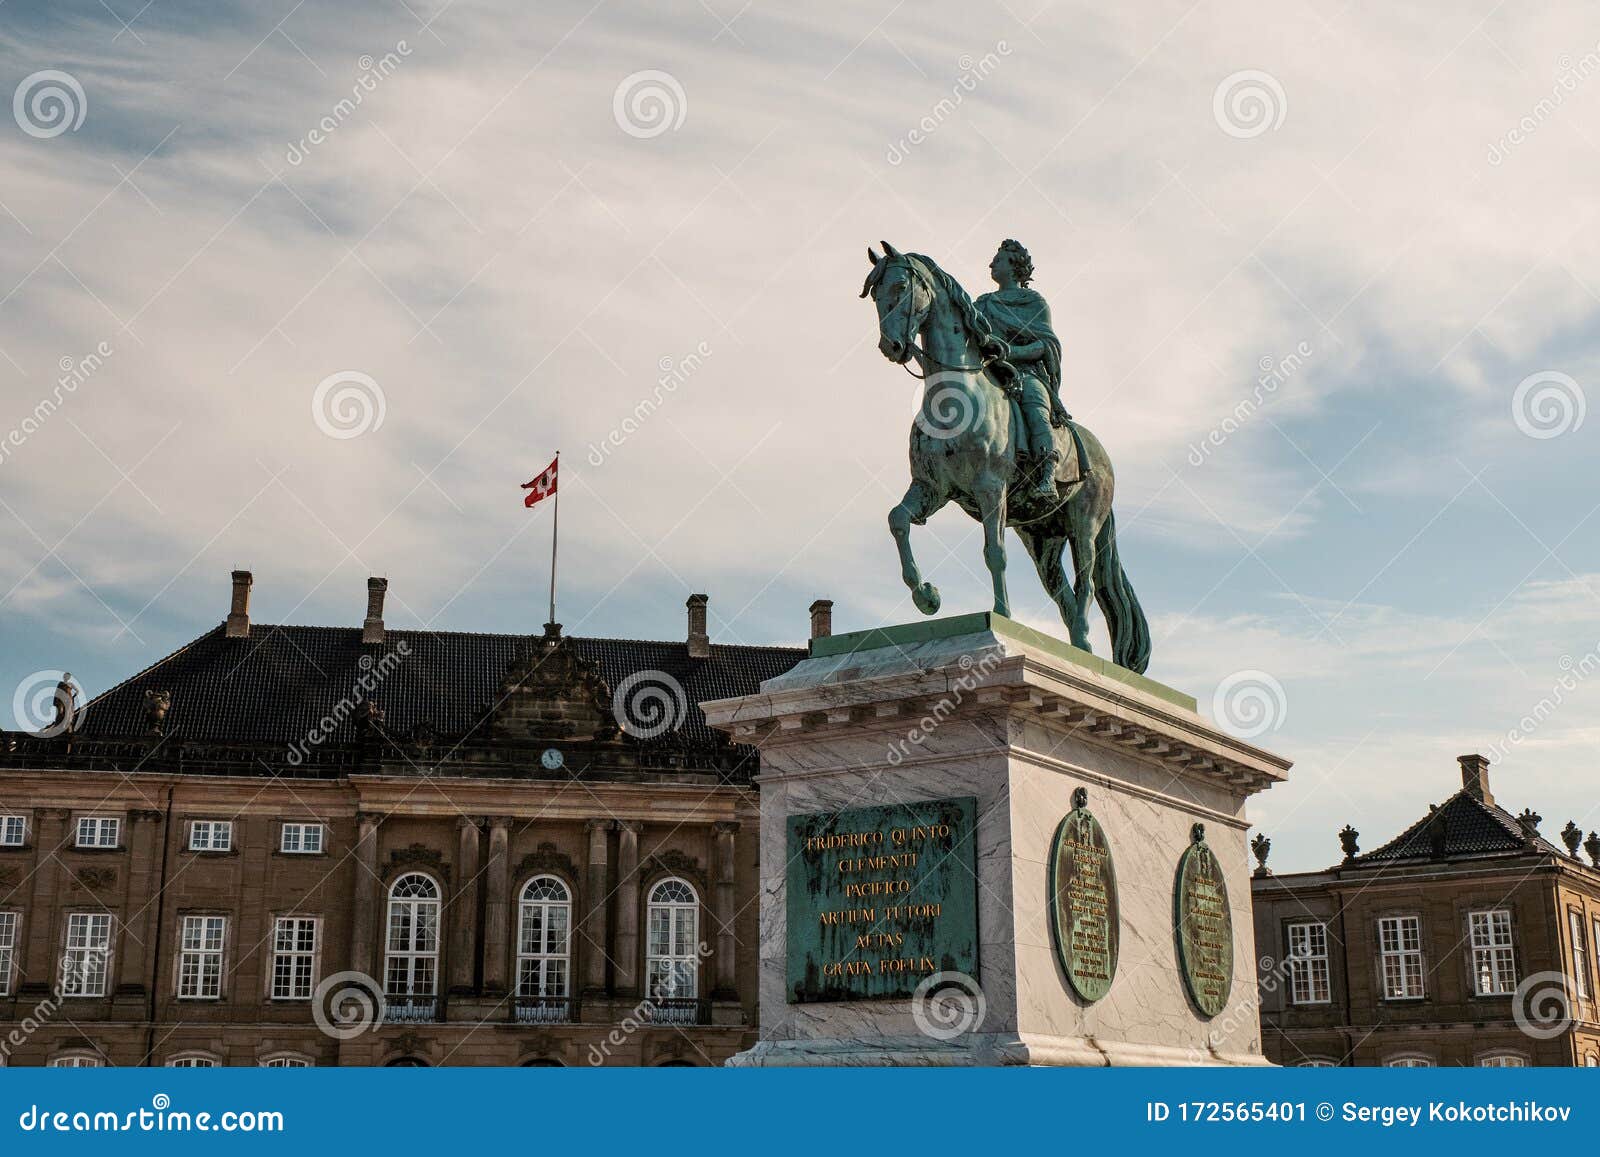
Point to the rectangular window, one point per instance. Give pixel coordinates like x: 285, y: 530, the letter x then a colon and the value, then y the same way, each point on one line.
x: 1494, y: 964
x: 211, y: 835
x: 200, y: 957
x: 1308, y: 963
x: 1400, y: 952
x: 88, y: 955
x: 294, y: 954
x: 99, y: 832
x: 1580, y: 953
x: 8, y: 949
x: 302, y: 839
x: 13, y: 830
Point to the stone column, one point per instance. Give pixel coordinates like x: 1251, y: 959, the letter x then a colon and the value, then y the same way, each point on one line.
x: 496, y: 912
x: 626, y: 957
x: 596, y: 942
x: 140, y: 903
x: 368, y: 885
x: 723, y: 911
x: 464, y: 915
x: 43, y: 920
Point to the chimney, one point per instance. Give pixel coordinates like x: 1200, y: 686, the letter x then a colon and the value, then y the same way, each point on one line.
x: 372, y: 629
x: 239, y: 614
x: 822, y: 618
x: 699, y: 641
x: 1475, y: 777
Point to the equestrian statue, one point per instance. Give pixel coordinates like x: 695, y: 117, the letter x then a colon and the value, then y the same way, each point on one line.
x: 992, y: 436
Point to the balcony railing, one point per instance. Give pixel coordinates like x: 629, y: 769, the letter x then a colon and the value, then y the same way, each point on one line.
x: 410, y: 1009
x: 676, y: 1010
x: 546, y: 1010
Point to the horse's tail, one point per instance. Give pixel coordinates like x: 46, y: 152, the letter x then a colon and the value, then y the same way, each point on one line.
x: 1130, y: 633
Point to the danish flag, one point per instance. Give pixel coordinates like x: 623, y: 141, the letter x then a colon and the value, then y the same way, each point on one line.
x: 543, y: 486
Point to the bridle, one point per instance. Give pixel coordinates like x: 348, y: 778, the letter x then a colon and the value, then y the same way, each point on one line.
x: 920, y: 277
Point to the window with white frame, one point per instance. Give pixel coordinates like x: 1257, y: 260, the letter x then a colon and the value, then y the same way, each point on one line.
x: 672, y: 955
x: 192, y: 1061
x: 77, y: 1061
x: 200, y: 957
x: 1400, y: 952
x: 294, y: 957
x: 8, y: 949
x: 99, y: 831
x: 13, y: 831
x: 1315, y: 1063
x: 1308, y: 963
x: 87, y: 959
x: 542, y: 935
x: 412, y: 966
x: 286, y: 1062
x: 1494, y: 963
x: 301, y: 839
x: 1503, y: 1061
x: 210, y: 835
x: 1408, y: 1062
x: 1580, y: 953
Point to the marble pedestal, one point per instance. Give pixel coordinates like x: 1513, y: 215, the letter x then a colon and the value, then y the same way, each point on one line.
x: 980, y: 706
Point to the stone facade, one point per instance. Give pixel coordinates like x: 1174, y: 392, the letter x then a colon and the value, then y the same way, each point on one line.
x: 1519, y: 995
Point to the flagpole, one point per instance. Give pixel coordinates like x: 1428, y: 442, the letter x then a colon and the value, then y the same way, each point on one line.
x: 555, y: 524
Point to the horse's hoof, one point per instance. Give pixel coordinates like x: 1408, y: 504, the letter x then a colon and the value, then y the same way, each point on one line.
x: 926, y: 597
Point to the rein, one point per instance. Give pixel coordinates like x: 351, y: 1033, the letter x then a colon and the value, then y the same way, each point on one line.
x: 910, y: 339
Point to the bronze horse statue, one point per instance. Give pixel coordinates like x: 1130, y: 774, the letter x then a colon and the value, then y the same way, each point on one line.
x: 964, y: 448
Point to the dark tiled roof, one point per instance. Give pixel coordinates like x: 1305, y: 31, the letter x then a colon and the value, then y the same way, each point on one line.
x: 1462, y: 826
x: 280, y: 682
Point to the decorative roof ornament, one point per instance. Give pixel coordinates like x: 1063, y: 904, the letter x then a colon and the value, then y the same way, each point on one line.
x: 1572, y: 836
x: 1347, y: 840
x: 1592, y: 846
x: 1262, y: 847
x: 1530, y: 821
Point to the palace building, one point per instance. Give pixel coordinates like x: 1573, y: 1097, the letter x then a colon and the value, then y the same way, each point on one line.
x: 1468, y: 939
x: 521, y: 849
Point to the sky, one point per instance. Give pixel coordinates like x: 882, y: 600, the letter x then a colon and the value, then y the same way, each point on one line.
x: 311, y: 287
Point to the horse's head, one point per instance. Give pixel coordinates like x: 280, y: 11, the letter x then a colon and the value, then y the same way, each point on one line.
x: 903, y: 294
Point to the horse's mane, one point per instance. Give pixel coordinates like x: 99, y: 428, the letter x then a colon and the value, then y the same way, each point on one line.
x: 977, y: 325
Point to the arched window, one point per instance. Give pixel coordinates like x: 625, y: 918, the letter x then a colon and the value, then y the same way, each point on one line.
x: 1503, y: 1061
x: 192, y: 1061
x: 1315, y: 1063
x: 543, y: 931
x: 286, y: 1061
x: 1408, y: 1061
x: 78, y: 1061
x: 412, y: 965
x: 672, y: 950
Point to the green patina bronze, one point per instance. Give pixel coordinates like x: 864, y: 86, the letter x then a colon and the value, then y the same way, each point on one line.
x: 881, y: 898
x: 1203, y: 925
x: 992, y: 437
x: 1084, y: 915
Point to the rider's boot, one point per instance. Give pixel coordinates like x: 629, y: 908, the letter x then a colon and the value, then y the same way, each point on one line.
x: 1044, y: 470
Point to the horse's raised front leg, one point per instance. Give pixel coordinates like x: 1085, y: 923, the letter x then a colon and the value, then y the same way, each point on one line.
x: 917, y: 506
x: 991, y: 498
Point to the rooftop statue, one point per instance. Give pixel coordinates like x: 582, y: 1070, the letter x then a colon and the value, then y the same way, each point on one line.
x: 993, y: 437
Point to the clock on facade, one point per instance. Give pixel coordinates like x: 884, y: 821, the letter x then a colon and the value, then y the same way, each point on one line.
x: 552, y: 758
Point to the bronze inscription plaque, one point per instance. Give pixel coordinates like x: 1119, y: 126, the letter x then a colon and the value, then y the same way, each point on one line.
x: 1084, y: 916
x: 1203, y: 925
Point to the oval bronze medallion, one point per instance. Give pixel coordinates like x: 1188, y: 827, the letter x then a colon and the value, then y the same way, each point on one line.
x: 1204, y: 925
x: 1084, y: 916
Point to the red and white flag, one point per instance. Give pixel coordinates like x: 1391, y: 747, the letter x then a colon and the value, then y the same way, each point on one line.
x: 543, y: 486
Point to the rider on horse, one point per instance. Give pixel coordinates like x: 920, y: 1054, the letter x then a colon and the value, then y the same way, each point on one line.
x: 1021, y: 318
